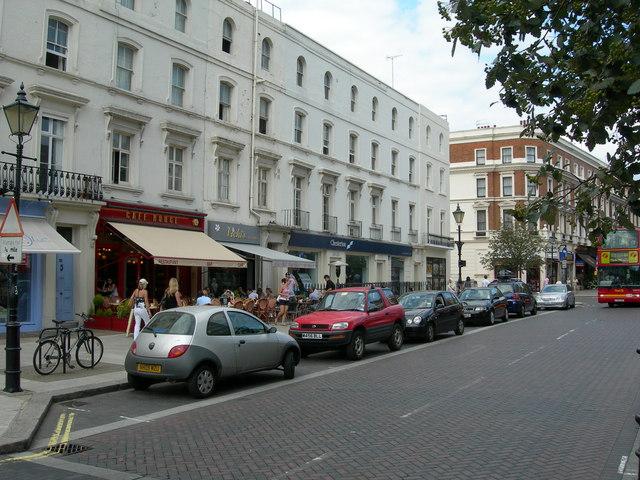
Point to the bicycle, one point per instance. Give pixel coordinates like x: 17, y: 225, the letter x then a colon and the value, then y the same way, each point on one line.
x: 56, y: 343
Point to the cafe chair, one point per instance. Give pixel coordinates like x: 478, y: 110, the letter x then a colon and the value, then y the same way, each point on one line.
x: 263, y: 310
x: 239, y: 304
x: 248, y: 305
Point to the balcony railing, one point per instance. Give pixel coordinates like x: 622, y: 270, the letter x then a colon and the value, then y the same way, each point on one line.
x: 355, y: 228
x: 412, y: 236
x: 50, y: 182
x: 375, y: 231
x: 396, y: 234
x: 438, y: 240
x: 330, y: 224
x: 295, y: 218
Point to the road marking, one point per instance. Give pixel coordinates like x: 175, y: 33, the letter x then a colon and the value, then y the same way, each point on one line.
x: 135, y: 419
x: 623, y: 463
x: 452, y: 394
x: 565, y: 334
x: 53, y: 439
x: 526, y: 355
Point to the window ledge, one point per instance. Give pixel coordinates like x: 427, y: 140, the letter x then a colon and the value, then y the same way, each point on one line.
x: 177, y: 196
x: 108, y: 187
x: 233, y: 206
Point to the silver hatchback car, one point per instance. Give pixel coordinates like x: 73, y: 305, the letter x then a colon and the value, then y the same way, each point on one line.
x: 200, y: 345
x: 558, y: 295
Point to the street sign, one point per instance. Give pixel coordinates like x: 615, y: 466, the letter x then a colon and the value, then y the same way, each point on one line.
x: 11, y: 234
x: 11, y: 225
x: 10, y: 249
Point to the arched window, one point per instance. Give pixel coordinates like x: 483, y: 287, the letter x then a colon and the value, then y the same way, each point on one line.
x: 300, y: 64
x: 227, y: 35
x: 265, y: 61
x: 394, y: 118
x: 374, y: 108
x: 410, y: 127
x: 354, y: 97
x: 327, y: 85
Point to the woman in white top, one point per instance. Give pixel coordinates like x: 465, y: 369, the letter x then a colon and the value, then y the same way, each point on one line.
x: 140, y: 301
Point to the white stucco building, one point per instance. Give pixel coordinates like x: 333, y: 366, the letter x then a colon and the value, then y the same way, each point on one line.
x: 218, y: 118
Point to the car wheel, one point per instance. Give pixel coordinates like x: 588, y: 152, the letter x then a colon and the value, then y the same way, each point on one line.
x: 396, y: 339
x: 430, y: 334
x: 506, y: 315
x: 202, y: 382
x: 355, y: 349
x: 521, y: 311
x: 460, y: 329
x: 289, y: 365
x: 573, y: 304
x: 138, y: 383
x: 535, y: 308
x: 566, y: 305
x: 492, y: 318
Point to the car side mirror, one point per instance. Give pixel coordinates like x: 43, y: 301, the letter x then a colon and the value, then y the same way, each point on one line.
x: 273, y: 330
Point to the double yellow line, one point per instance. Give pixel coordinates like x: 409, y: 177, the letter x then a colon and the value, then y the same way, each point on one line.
x: 60, y: 436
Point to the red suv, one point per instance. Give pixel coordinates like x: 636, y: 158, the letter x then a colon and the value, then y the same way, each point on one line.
x: 349, y: 318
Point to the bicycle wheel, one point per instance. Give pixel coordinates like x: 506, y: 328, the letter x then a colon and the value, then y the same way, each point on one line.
x: 47, y: 357
x: 89, y: 351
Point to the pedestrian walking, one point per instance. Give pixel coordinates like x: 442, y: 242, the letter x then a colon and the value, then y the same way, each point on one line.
x: 283, y: 301
x: 139, y: 301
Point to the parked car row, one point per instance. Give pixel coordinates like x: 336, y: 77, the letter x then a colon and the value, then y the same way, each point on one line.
x: 202, y: 344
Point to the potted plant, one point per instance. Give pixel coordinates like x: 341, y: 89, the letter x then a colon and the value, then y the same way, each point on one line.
x: 101, y: 316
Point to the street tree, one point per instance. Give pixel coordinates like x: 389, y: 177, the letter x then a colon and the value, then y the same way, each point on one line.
x: 514, y: 247
x: 572, y: 69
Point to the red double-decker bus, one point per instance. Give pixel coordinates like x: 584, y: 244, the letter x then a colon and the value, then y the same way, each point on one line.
x: 619, y: 268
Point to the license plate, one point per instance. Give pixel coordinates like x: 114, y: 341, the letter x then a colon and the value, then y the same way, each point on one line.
x: 619, y: 300
x: 313, y: 336
x: 143, y: 367
x: 467, y: 315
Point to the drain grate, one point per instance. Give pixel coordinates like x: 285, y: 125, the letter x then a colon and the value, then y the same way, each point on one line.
x: 67, y: 448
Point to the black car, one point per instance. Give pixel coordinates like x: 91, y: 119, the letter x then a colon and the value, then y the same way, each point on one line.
x: 431, y: 312
x: 484, y: 304
x: 520, y: 298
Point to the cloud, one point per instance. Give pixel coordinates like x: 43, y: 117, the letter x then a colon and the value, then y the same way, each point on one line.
x: 367, y: 32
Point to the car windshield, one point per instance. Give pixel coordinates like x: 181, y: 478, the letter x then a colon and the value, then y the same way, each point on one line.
x: 342, y: 301
x: 416, y: 300
x: 553, y: 289
x: 473, y: 294
x: 506, y: 287
x: 171, y: 323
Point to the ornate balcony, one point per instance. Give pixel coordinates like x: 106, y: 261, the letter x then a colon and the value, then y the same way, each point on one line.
x: 330, y: 224
x: 437, y: 240
x: 355, y: 228
x: 375, y: 231
x: 295, y: 218
x: 396, y: 234
x: 50, y: 182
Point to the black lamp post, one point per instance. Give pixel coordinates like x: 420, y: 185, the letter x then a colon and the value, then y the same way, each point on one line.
x: 21, y: 116
x: 458, y: 215
x: 552, y: 242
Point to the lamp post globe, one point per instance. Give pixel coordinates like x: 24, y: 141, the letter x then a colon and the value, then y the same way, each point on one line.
x: 458, y: 215
x: 20, y: 115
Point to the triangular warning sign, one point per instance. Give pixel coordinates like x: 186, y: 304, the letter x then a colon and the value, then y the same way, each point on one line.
x: 11, y: 224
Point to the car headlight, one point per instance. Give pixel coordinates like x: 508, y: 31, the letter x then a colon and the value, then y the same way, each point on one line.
x: 340, y: 326
x: 480, y: 309
x: 414, y: 321
x: 293, y: 325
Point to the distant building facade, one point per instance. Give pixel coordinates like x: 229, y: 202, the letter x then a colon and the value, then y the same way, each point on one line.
x: 491, y: 170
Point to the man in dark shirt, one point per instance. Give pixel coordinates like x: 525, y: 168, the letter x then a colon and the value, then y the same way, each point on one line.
x: 330, y: 285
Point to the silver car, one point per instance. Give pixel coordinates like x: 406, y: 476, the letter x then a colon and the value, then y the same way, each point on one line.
x: 556, y: 296
x: 200, y: 345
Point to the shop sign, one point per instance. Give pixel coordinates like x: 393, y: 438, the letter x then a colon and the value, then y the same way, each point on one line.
x: 233, y: 232
x: 152, y: 218
x: 324, y: 242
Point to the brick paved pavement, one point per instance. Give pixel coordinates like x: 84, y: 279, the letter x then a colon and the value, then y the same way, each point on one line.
x: 549, y: 397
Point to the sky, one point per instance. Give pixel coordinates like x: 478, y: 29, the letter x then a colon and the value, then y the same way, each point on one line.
x: 368, y: 32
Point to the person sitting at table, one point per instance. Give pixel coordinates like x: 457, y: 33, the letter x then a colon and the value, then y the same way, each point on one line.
x: 314, y: 295
x: 227, y: 297
x: 203, y: 297
x: 242, y: 293
x: 268, y: 293
x: 252, y: 295
x: 110, y: 289
x: 261, y: 294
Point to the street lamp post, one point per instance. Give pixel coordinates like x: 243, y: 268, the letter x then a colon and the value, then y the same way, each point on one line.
x: 552, y: 242
x: 458, y: 215
x: 21, y: 116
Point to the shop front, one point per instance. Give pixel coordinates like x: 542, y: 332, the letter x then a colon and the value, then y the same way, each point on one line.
x: 264, y: 264
x: 351, y: 260
x: 45, y: 273
x: 156, y: 244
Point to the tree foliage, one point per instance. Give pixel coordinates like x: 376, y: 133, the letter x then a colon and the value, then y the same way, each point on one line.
x: 572, y: 68
x: 515, y: 248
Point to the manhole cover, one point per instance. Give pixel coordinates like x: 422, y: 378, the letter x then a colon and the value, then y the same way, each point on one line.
x: 66, y: 448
